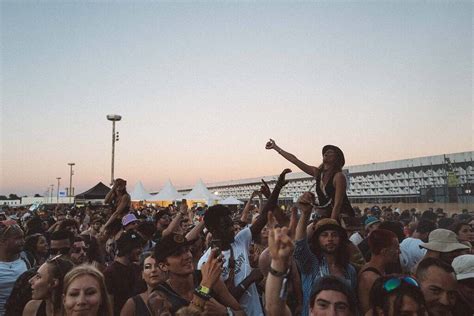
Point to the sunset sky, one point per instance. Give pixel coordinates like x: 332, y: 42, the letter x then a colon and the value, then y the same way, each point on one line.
x: 202, y: 86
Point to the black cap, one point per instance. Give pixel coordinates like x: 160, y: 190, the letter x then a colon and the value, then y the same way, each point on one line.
x: 168, y: 245
x: 128, y: 241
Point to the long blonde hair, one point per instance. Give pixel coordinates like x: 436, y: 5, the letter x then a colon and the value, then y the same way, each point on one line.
x: 105, y: 307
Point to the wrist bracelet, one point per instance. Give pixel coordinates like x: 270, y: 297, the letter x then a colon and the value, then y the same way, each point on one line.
x: 202, y: 295
x: 278, y: 273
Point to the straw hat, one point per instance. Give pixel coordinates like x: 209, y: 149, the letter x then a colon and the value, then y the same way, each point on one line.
x: 443, y: 240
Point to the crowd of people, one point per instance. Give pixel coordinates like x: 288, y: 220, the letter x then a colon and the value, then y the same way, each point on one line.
x: 320, y: 256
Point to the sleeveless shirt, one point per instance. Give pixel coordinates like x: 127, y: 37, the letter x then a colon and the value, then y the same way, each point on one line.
x: 327, y: 195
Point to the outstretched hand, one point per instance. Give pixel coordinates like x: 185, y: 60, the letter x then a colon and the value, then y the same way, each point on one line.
x: 265, y: 189
x: 280, y: 246
x: 281, y: 179
x: 270, y: 144
x: 212, y: 268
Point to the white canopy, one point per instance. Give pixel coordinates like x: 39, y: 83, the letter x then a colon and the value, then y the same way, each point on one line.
x: 168, y: 193
x: 231, y: 201
x: 200, y: 192
x: 140, y: 194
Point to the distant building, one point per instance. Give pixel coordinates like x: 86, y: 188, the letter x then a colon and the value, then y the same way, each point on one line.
x: 4, y: 201
x: 441, y: 178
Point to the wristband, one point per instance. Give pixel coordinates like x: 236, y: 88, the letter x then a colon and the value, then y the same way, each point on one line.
x: 230, y: 312
x: 204, y: 289
x: 202, y: 295
x: 278, y: 273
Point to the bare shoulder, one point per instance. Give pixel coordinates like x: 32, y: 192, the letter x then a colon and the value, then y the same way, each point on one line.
x: 31, y: 307
x: 129, y: 308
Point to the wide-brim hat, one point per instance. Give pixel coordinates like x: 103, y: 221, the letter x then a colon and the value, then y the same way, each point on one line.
x: 168, y: 245
x: 443, y: 240
x: 329, y: 224
x: 338, y: 152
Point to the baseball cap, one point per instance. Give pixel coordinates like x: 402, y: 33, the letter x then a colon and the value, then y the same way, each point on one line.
x: 128, y: 219
x: 443, y: 240
x: 169, y: 245
x: 464, y: 267
x: 128, y: 241
x: 370, y: 221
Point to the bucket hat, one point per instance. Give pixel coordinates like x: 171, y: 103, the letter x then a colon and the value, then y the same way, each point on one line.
x: 443, y: 240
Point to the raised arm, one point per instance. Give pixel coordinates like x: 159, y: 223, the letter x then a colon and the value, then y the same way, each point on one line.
x: 305, y: 204
x: 173, y: 226
x: 311, y: 170
x: 293, y: 222
x: 194, y: 233
x: 271, y: 205
x: 281, y: 247
x: 248, y: 206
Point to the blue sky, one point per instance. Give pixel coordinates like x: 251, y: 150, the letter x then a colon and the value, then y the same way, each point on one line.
x: 202, y: 85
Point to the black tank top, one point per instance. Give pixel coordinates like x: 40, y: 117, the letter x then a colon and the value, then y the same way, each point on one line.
x: 41, y: 311
x: 327, y: 198
x: 140, y: 306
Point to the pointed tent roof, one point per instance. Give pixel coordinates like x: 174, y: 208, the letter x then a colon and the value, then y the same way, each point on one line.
x: 140, y: 194
x: 231, y: 201
x: 200, y: 192
x: 168, y: 193
x: 99, y: 191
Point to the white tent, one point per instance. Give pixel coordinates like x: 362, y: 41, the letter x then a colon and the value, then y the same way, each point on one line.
x: 140, y: 194
x: 201, y: 193
x: 168, y: 193
x: 231, y: 201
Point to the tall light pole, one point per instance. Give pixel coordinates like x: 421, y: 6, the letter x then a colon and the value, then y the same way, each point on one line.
x: 57, y: 194
x: 114, y: 118
x: 51, y: 193
x: 70, y: 180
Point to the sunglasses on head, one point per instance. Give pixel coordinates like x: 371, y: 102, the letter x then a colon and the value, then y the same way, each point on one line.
x: 59, y: 251
x: 394, y: 283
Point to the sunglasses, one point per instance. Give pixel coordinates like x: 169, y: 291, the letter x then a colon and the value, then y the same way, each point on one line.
x: 59, y: 251
x: 394, y: 283
x: 78, y: 249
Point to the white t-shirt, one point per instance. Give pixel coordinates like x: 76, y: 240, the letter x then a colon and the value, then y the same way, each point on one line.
x: 411, y: 253
x: 9, y: 272
x: 249, y: 301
